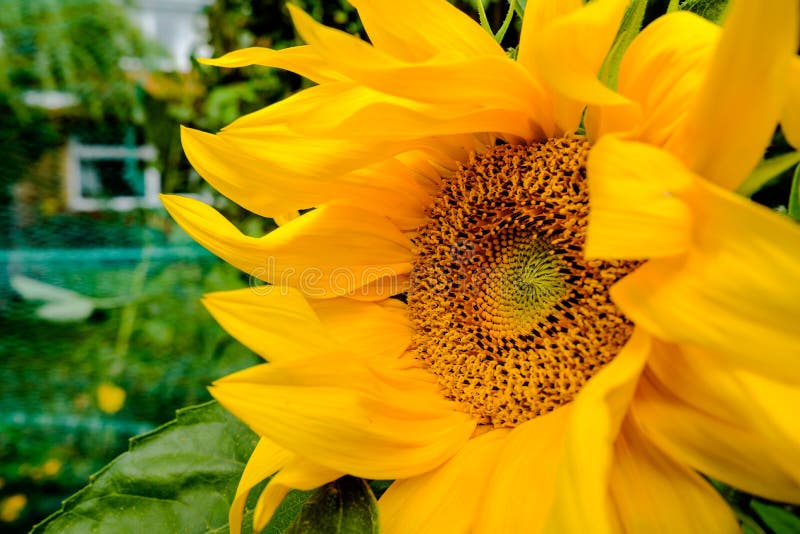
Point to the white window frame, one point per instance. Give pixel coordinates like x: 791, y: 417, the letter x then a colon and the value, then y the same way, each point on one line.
x: 78, y: 152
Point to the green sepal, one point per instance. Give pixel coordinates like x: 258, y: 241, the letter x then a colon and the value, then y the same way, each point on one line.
x: 713, y: 10
x: 629, y: 28
x: 766, y: 172
x: 180, y: 477
x: 779, y: 520
x: 345, y: 506
x: 794, y: 195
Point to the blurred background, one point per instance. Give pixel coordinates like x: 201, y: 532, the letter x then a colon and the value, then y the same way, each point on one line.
x: 103, y: 334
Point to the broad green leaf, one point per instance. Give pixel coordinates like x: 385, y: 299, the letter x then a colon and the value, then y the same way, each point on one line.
x: 179, y: 478
x: 779, y: 520
x: 286, y: 513
x: 346, y: 506
x: 767, y: 171
x: 794, y: 196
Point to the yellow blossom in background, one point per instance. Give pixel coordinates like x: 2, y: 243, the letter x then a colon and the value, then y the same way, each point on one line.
x: 52, y: 467
x: 529, y: 330
x: 11, y: 507
x: 110, y: 398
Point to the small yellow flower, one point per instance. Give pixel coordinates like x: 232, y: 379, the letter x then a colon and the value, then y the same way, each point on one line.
x: 584, y: 321
x: 110, y: 398
x: 51, y: 467
x: 11, y: 507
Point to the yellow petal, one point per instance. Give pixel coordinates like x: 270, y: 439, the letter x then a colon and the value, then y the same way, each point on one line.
x: 580, y: 503
x: 654, y: 493
x: 519, y: 493
x: 570, y: 51
x: 257, y: 184
x: 380, y: 329
x: 280, y: 220
x: 299, y: 59
x: 445, y: 499
x: 732, y: 117
x: 279, y: 324
x: 266, y: 459
x: 538, y: 15
x: 661, y: 71
x: 417, y: 32
x: 364, y: 113
x: 634, y: 209
x: 299, y: 173
x: 298, y: 473
x: 349, y: 415
x: 734, y: 425
x: 433, y: 80
x: 736, y: 291
x: 275, y: 322
x: 331, y: 251
x: 790, y: 118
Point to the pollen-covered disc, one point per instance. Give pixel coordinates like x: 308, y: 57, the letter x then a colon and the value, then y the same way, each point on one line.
x: 508, y: 314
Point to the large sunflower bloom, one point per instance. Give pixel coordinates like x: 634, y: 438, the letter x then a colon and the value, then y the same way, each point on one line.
x: 590, y: 321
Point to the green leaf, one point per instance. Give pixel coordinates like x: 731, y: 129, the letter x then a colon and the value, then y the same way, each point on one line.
x: 629, y: 28
x: 713, y: 10
x: 779, y: 520
x: 286, y: 512
x: 180, y: 477
x: 519, y: 7
x: 766, y: 171
x: 794, y: 196
x: 346, y: 506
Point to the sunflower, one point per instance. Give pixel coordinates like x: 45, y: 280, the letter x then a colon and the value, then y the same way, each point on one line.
x: 525, y: 328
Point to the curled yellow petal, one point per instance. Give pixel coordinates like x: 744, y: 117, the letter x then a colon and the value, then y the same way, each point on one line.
x: 651, y: 491
x: 298, y: 59
x: 731, y: 119
x: 266, y: 459
x: 316, y: 253
x: 735, y: 292
x: 361, y: 418
x: 635, y: 209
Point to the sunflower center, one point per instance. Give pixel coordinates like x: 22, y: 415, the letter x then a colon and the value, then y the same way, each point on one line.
x: 507, y: 313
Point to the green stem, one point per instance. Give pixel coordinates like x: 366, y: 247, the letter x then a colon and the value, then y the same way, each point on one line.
x: 766, y: 171
x: 794, y: 196
x: 674, y: 5
x: 506, y: 23
x: 482, y: 16
x: 519, y: 7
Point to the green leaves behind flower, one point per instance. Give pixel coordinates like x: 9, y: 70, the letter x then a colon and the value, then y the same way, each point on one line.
x: 778, y: 519
x: 182, y: 477
x: 794, y: 196
x: 346, y: 506
x: 713, y: 10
